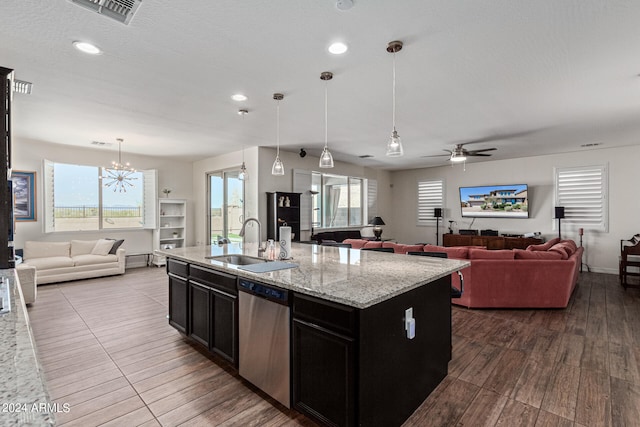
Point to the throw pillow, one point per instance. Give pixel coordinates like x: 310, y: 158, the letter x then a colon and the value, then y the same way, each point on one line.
x: 543, y: 246
x: 102, y: 247
x: 116, y: 245
x: 561, y: 249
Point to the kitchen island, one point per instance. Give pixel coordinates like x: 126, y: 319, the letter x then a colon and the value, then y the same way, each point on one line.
x: 369, y: 332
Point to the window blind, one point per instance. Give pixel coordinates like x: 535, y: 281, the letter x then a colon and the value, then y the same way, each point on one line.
x: 430, y: 196
x: 583, y: 193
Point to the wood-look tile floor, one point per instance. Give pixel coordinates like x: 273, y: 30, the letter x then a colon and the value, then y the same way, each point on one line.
x: 107, y: 350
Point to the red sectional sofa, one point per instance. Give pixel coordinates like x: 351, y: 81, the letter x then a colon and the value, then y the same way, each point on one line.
x: 542, y: 276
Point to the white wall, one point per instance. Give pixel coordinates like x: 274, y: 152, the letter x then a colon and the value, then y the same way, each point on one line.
x: 602, y: 248
x: 28, y: 155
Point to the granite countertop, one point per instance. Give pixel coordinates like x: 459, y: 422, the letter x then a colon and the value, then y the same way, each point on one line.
x: 348, y: 276
x: 23, y: 397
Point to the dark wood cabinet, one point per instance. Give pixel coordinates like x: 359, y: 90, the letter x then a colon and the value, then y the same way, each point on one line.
x: 350, y: 366
x: 324, y: 360
x: 214, y: 311
x: 203, y: 304
x: 280, y: 213
x: 224, y: 321
x: 199, y: 313
x: 491, y: 242
x: 178, y: 302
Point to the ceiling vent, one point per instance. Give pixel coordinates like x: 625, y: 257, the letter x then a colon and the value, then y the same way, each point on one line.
x: 101, y: 143
x: 365, y: 156
x: 20, y: 86
x: 120, y: 10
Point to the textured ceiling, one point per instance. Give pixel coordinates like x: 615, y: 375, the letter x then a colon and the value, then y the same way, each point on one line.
x: 559, y: 73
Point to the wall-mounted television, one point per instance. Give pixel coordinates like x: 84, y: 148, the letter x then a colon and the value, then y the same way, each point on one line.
x: 495, y: 201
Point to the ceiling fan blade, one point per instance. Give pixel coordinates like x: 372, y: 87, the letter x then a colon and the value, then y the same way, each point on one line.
x: 471, y: 152
x: 474, y: 154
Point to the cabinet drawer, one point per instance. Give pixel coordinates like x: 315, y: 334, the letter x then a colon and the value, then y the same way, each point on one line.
x: 216, y: 279
x: 179, y: 268
x: 336, y: 317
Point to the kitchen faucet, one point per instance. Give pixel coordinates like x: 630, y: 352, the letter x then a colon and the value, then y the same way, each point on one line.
x: 244, y: 225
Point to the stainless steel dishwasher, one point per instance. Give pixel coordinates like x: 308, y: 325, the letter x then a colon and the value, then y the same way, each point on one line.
x: 263, y: 323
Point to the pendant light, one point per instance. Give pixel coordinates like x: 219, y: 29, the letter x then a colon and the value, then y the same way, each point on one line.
x: 326, y: 159
x: 394, y: 146
x: 243, y: 169
x: 278, y: 167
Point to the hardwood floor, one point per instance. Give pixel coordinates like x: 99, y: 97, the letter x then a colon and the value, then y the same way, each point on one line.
x: 108, y: 351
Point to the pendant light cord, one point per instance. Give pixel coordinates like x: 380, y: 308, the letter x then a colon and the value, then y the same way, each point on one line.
x: 278, y: 129
x: 326, y: 115
x: 394, y: 91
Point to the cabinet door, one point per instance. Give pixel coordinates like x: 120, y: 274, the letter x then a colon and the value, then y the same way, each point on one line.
x: 224, y: 324
x: 178, y: 303
x: 323, y: 374
x: 199, y: 314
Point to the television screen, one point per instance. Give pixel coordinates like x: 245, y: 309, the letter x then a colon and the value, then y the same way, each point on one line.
x: 495, y: 201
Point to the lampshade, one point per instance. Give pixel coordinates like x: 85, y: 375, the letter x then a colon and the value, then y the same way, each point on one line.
x: 377, y: 221
x: 437, y: 212
x: 559, y: 212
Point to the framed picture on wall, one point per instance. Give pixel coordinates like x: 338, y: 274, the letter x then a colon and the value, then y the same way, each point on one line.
x: 24, y: 195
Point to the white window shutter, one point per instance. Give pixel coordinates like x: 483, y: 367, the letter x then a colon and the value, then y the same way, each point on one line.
x: 48, y: 198
x: 430, y: 196
x: 583, y: 193
x: 150, y: 180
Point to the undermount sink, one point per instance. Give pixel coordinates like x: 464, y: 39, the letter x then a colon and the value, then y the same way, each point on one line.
x: 237, y: 259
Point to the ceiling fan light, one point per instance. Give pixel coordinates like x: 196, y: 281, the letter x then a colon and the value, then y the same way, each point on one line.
x: 394, y: 146
x: 326, y: 159
x: 458, y: 158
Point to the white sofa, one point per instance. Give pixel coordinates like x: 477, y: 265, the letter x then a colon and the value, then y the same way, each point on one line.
x: 77, y: 259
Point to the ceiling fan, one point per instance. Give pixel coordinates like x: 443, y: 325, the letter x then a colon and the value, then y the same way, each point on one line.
x: 460, y: 154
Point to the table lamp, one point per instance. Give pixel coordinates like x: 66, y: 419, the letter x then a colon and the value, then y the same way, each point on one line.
x: 377, y: 222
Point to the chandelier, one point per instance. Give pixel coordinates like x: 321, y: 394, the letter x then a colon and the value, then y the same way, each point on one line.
x: 119, y: 175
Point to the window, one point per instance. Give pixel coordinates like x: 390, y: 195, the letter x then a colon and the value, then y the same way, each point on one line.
x: 76, y: 200
x: 226, y: 201
x: 337, y: 200
x: 430, y: 195
x: 583, y: 193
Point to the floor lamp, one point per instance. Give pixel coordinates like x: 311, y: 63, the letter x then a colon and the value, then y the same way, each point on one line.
x: 437, y: 213
x: 559, y: 216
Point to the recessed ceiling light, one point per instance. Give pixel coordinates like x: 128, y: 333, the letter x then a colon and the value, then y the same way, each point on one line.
x: 87, y: 48
x: 238, y: 97
x: 338, y: 48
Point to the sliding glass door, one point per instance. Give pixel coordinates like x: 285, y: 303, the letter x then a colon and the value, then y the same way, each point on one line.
x: 226, y: 206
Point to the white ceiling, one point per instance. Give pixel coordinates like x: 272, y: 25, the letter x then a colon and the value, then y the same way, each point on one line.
x: 563, y: 72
